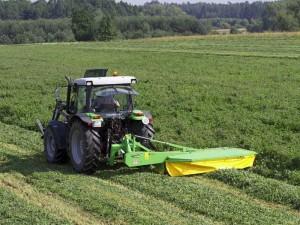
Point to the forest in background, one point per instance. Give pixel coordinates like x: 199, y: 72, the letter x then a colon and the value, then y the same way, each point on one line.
x: 23, y: 21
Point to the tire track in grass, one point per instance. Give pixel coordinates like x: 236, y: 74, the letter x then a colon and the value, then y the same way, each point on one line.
x: 51, y: 203
x: 206, y: 199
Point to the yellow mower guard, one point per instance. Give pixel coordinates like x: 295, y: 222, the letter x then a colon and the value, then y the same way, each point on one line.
x: 188, y: 168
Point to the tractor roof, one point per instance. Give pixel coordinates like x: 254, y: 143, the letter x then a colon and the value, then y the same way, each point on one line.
x: 116, y: 80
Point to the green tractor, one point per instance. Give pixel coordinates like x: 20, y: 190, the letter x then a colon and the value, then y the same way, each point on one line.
x: 98, y: 125
x: 97, y: 113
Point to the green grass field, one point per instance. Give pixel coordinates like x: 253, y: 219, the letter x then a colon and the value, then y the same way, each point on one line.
x: 235, y: 91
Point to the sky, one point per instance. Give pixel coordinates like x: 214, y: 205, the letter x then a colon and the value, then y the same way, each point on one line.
x: 140, y: 2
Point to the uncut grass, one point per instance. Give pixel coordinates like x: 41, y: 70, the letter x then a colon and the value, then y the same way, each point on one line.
x: 222, y: 101
x: 197, y: 100
x: 14, y: 210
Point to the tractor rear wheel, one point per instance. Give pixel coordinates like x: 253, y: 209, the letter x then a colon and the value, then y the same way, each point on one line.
x: 84, y: 148
x: 144, y: 130
x: 53, y: 153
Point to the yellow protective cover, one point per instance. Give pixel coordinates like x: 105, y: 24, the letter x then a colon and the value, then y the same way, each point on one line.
x: 189, y: 168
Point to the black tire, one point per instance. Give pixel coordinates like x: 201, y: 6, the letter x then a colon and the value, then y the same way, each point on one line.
x: 53, y: 153
x: 143, y: 130
x: 84, y: 148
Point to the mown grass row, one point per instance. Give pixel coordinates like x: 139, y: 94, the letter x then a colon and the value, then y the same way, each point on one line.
x: 50, y: 203
x: 250, y: 183
x: 247, y: 45
x: 206, y: 199
x: 139, y: 196
x: 105, y: 200
x: 261, y: 187
x: 14, y: 210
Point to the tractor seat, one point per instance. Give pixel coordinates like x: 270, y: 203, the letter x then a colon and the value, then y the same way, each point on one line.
x: 105, y: 103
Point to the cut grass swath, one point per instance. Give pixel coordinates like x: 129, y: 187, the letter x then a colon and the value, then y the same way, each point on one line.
x: 261, y: 187
x: 206, y: 199
x: 15, y: 210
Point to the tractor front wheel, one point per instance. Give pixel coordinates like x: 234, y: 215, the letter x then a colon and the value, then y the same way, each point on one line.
x: 53, y: 153
x: 84, y: 148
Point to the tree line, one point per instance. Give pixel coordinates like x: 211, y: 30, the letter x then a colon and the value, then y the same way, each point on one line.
x: 53, y: 9
x: 282, y: 16
x: 35, y: 31
x: 24, y: 21
x: 86, y: 26
x: 244, y: 10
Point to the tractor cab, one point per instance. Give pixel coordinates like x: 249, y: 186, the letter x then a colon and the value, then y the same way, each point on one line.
x: 107, y: 96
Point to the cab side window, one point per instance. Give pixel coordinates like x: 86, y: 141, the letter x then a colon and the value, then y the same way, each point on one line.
x: 81, y: 99
x: 78, y: 99
x: 73, y: 100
